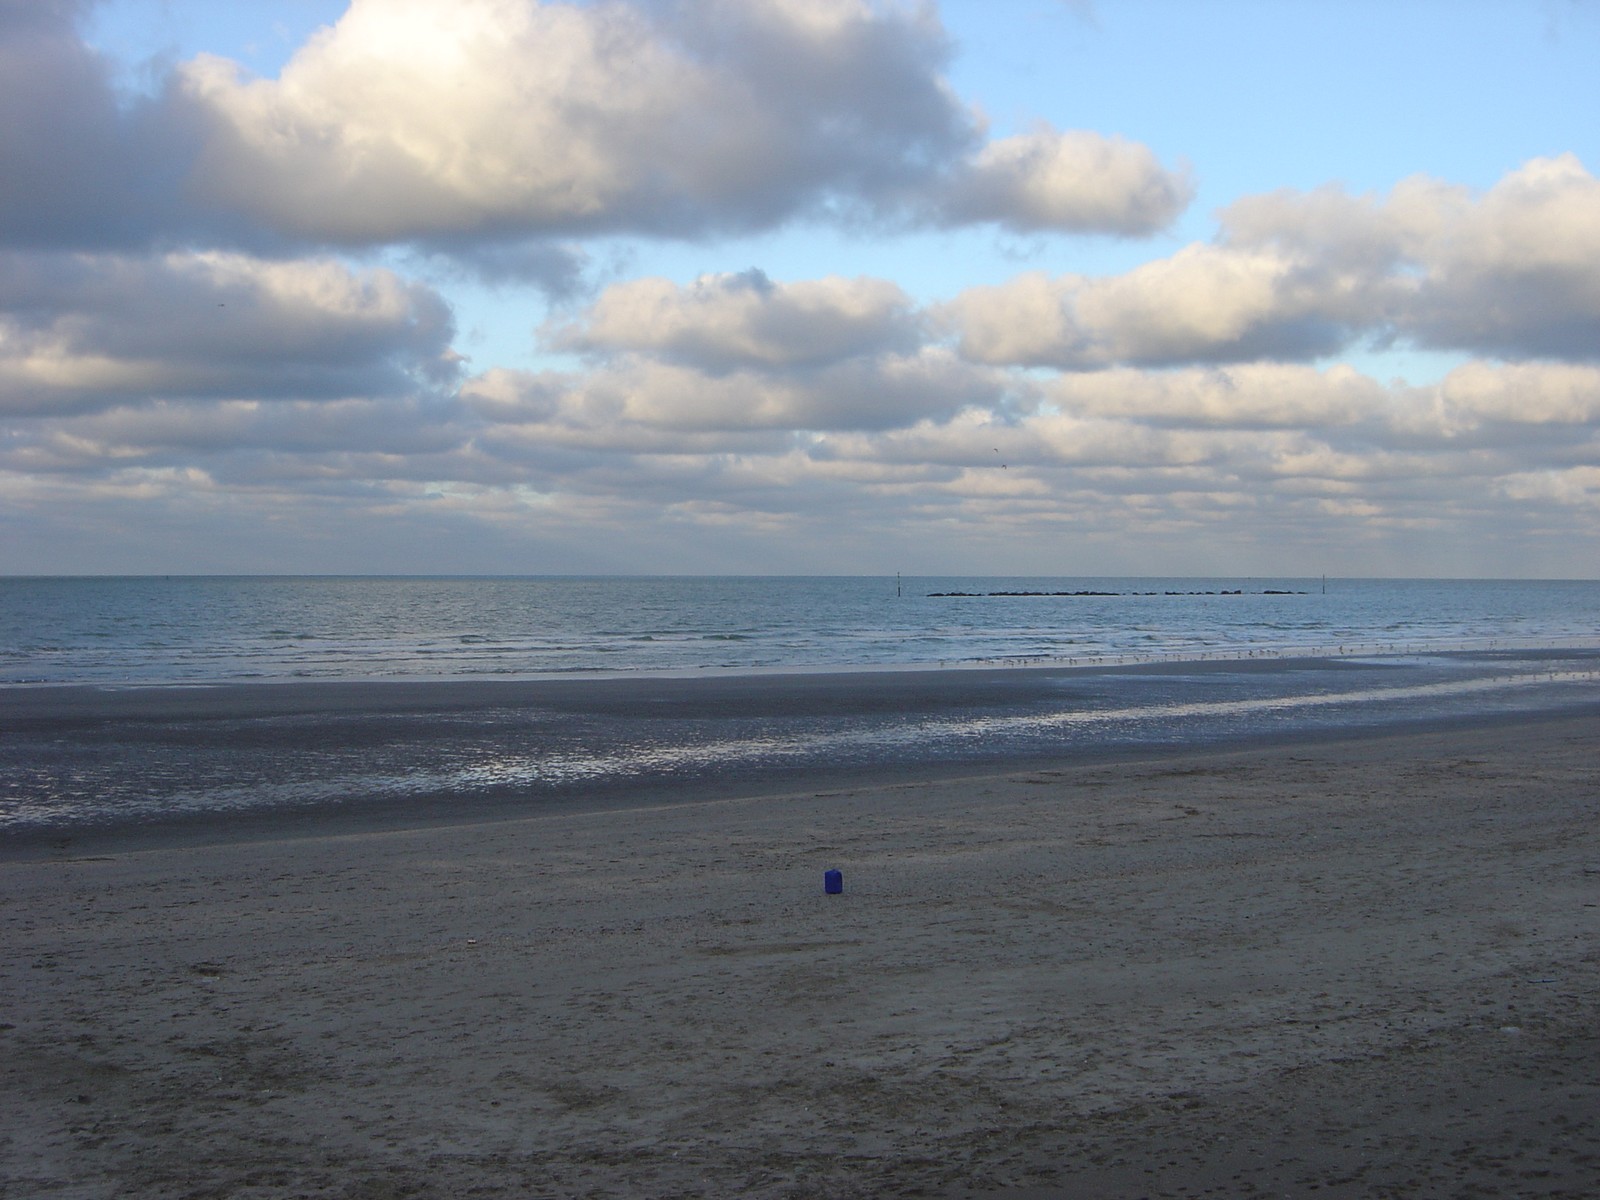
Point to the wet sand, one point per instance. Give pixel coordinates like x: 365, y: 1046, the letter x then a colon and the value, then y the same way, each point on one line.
x: 89, y: 763
x: 1365, y: 968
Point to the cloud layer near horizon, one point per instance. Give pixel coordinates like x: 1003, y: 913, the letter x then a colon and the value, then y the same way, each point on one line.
x: 185, y: 339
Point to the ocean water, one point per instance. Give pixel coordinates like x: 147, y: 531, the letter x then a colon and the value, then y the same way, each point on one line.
x: 207, y: 630
x: 145, y: 702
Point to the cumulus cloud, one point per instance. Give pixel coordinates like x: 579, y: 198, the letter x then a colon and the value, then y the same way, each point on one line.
x: 558, y: 270
x: 79, y: 166
x: 1252, y: 396
x: 496, y: 125
x: 410, y: 119
x: 721, y: 322
x: 99, y: 330
x: 1203, y: 304
x: 1537, y: 393
x: 344, y: 439
x: 1075, y: 180
x: 1513, y: 272
x: 638, y: 392
x: 1575, y: 487
x: 914, y: 441
x: 1224, y: 430
x: 738, y: 353
x: 1517, y: 272
x: 160, y: 341
x: 1480, y: 403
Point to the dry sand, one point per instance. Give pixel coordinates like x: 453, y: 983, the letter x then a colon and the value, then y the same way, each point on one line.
x: 1362, y: 968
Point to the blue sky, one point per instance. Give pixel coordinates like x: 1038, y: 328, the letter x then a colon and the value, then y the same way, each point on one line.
x: 407, y: 285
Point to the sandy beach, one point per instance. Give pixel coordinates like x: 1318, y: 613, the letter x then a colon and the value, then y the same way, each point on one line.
x: 1363, y: 967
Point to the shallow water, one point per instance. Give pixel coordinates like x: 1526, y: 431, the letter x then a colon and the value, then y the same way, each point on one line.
x: 213, y: 629
x: 89, y: 757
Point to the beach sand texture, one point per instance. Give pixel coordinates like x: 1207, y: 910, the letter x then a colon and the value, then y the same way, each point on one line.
x: 1364, y: 967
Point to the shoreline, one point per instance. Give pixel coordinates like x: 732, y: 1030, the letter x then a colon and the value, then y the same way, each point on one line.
x: 1350, y: 649
x: 72, y: 698
x: 1364, y: 966
x: 92, y: 764
x: 198, y: 831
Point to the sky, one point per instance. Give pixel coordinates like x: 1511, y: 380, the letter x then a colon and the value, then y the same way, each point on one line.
x: 1047, y: 287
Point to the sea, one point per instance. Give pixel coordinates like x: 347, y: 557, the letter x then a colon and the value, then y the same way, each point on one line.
x: 148, y: 700
x: 193, y: 630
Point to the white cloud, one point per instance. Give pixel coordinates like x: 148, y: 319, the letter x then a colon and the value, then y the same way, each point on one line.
x: 1247, y: 396
x: 95, y: 331
x: 422, y: 120
x: 500, y: 133
x: 160, y: 344
x: 1577, y: 487
x: 1514, y: 271
x: 1247, y: 432
x: 412, y: 119
x: 1204, y: 304
x: 638, y: 393
x: 1208, y: 453
x: 78, y: 167
x: 1074, y: 180
x: 1539, y: 408
x: 724, y: 321
x: 1518, y: 271
x: 1294, y: 277
x: 1536, y: 393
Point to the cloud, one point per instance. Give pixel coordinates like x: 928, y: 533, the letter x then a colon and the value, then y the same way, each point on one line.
x: 1514, y: 272
x: 285, y: 439
x: 483, y: 128
x: 722, y: 322
x: 94, y: 331
x: 175, y: 331
x: 1544, y: 412
x: 914, y: 444
x: 556, y: 269
x: 79, y: 167
x: 1203, y: 304
x: 638, y: 393
x: 1577, y: 487
x: 1077, y: 180
x: 1541, y: 408
x: 1517, y: 272
x: 1249, y: 397
x: 736, y: 354
x: 1274, y: 424
x: 412, y: 119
